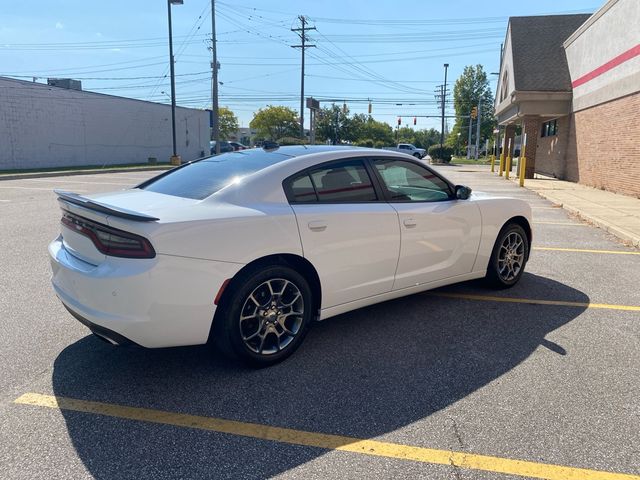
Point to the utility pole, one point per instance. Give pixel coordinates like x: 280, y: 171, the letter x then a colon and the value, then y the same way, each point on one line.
x: 479, y: 121
x: 175, y: 159
x: 214, y: 81
x: 444, y: 96
x: 303, y: 46
x: 469, y: 142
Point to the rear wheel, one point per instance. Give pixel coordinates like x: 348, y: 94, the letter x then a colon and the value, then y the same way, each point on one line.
x: 266, y: 317
x: 509, y: 256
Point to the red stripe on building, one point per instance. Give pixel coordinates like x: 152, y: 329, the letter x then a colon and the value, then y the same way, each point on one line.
x: 614, y: 62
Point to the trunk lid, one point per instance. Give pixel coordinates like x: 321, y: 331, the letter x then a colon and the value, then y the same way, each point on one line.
x: 134, y: 211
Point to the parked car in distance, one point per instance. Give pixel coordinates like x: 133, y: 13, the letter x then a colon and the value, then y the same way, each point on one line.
x: 224, y: 147
x: 247, y: 249
x: 238, y: 146
x: 408, y: 149
x: 267, y: 144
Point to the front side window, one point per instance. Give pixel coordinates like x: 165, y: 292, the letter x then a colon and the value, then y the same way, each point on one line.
x: 339, y: 182
x: 408, y: 182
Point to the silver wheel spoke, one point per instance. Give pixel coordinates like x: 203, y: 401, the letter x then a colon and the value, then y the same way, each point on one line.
x: 284, y: 287
x: 253, y: 299
x: 295, y: 299
x: 270, y: 289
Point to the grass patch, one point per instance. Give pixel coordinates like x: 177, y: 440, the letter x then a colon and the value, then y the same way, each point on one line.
x: 470, y: 161
x: 88, y: 168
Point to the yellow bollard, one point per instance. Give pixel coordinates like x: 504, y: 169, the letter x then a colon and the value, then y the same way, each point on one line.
x: 501, y: 168
x: 507, y: 168
x: 523, y: 169
x: 493, y: 163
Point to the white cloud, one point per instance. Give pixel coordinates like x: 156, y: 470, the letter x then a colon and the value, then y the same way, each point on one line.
x: 59, y: 26
x: 98, y: 34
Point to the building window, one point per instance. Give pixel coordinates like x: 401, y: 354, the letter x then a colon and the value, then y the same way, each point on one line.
x: 504, y: 87
x: 549, y: 128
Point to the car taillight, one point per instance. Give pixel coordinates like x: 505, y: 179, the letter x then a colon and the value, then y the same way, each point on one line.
x: 110, y: 241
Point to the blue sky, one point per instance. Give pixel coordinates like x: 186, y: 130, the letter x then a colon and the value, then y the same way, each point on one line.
x: 389, y: 52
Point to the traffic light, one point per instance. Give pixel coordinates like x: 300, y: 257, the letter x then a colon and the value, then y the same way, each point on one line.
x: 474, y: 112
x: 369, y: 108
x: 414, y: 120
x: 399, y: 121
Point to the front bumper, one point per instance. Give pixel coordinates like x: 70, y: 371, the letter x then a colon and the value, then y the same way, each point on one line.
x: 165, y: 301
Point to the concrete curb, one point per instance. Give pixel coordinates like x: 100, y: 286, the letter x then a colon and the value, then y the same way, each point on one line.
x: 62, y: 173
x: 621, y: 233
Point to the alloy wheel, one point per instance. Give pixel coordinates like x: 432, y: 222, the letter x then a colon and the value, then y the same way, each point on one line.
x: 271, y: 316
x: 511, y: 256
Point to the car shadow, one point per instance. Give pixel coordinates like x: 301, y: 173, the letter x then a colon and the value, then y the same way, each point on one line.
x: 362, y: 374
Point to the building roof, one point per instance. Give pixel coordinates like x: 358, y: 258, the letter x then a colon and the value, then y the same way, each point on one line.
x: 539, y: 61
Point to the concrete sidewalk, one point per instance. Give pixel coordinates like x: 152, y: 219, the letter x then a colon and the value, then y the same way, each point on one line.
x: 85, y: 171
x: 617, y: 214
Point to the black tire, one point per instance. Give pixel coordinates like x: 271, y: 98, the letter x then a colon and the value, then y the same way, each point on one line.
x: 417, y: 155
x: 267, y: 333
x: 508, y: 254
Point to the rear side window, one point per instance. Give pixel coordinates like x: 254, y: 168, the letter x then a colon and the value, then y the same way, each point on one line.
x: 341, y: 182
x: 302, y: 189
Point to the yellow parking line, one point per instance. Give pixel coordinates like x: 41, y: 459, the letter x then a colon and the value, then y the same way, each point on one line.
x: 326, y: 441
x: 533, y: 301
x: 585, y: 250
x: 568, y: 224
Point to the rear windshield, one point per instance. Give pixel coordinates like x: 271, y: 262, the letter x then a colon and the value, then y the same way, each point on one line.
x: 205, y: 177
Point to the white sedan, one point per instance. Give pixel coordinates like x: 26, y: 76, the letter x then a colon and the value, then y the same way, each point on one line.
x: 247, y: 249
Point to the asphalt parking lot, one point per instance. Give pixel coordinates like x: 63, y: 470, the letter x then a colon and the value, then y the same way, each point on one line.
x: 539, y: 381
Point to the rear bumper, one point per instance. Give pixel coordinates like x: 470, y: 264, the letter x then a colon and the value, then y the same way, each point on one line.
x: 165, y: 301
x: 104, y: 333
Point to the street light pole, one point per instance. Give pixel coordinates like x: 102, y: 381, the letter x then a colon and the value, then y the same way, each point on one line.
x: 175, y: 159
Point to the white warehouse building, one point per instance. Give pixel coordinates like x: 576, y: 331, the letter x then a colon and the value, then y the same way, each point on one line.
x: 50, y: 126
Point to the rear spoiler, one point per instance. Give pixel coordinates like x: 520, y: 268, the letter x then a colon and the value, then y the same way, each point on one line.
x: 85, y: 202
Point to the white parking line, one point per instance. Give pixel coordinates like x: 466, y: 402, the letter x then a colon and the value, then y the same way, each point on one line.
x: 35, y: 188
x: 47, y: 180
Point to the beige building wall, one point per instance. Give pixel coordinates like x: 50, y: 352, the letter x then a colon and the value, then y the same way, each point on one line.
x: 551, y: 151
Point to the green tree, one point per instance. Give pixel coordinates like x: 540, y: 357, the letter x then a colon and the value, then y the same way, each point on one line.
x: 377, y: 132
x: 334, y: 124
x: 426, y: 137
x: 274, y: 122
x: 472, y: 89
x: 228, y: 122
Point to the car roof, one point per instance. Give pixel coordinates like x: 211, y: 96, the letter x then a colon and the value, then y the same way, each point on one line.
x: 265, y: 157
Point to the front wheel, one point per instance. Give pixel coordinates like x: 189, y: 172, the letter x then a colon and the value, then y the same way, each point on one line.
x: 267, y: 317
x: 417, y: 155
x: 509, y: 256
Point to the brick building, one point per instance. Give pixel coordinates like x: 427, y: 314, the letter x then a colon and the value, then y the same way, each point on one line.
x: 572, y: 83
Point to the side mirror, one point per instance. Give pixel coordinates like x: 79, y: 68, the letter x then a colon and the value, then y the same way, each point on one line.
x: 462, y: 192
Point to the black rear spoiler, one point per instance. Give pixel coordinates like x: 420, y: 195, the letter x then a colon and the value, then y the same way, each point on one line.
x: 85, y: 202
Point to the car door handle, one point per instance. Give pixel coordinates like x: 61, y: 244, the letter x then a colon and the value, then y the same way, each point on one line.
x: 409, y: 222
x: 317, y: 226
